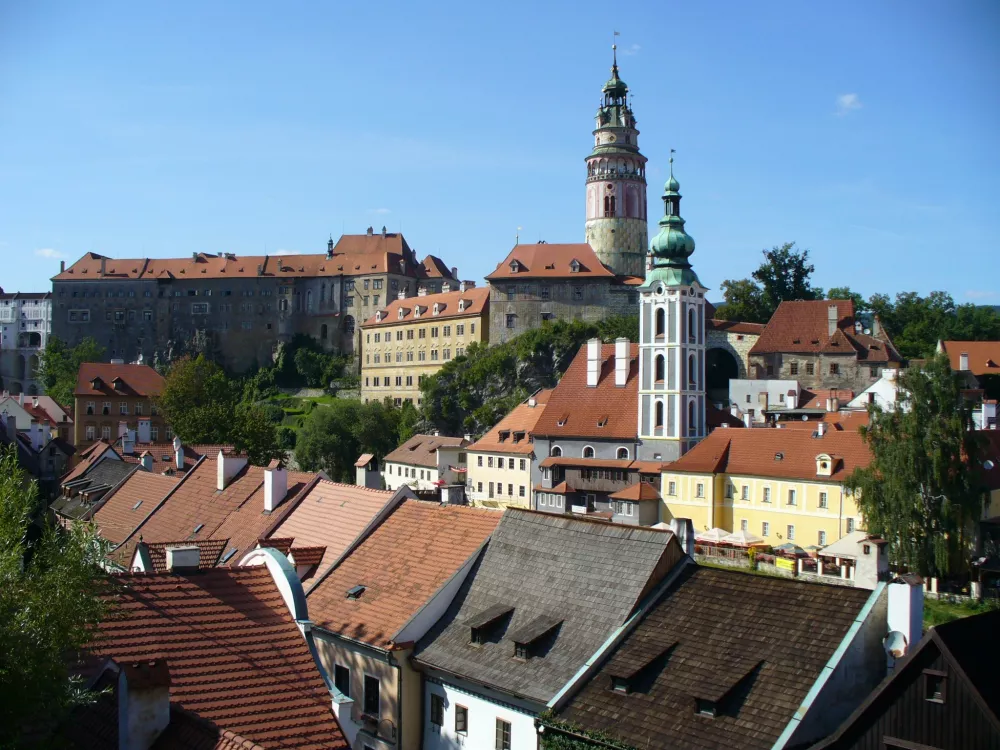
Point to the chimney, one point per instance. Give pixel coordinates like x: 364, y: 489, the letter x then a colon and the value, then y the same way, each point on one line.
x: 383, y: 230
x: 146, y: 459
x: 963, y: 361
x: 402, y: 293
x: 593, y: 362
x: 34, y: 402
x: 228, y: 467
x: 370, y: 231
x: 621, y: 362
x: 143, y: 703
x: 183, y: 558
x: 128, y: 444
x: 421, y: 291
x: 122, y: 428
x: 275, y: 485
x: 145, y: 431
x: 905, y: 615
x: 463, y: 285
x: 454, y: 272
x: 102, y: 266
x: 831, y: 320
x: 179, y: 454
x: 62, y: 266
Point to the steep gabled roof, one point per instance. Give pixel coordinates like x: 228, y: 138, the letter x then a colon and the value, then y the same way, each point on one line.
x: 574, y: 410
x: 123, y: 511
x: 545, y: 261
x: 421, y: 450
x: 136, y: 380
x: 587, y: 575
x: 512, y: 434
x: 984, y: 356
x: 235, y: 655
x: 474, y: 302
x: 751, y: 645
x: 401, y: 565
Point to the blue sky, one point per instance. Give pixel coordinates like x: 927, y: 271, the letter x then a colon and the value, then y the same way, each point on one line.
x: 865, y: 131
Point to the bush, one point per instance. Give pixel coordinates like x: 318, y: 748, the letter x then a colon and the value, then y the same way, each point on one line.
x: 286, y: 437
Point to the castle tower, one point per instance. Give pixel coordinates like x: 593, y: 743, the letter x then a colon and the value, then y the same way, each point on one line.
x: 671, y: 340
x: 616, y: 184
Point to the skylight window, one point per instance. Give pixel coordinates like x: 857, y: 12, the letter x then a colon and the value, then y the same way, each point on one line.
x: 229, y: 553
x: 136, y: 506
x: 355, y: 592
x: 198, y: 528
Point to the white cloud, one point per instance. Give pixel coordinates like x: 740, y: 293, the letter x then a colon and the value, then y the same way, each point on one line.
x: 48, y: 252
x: 846, y: 103
x: 631, y: 50
x: 980, y: 294
x: 379, y: 211
x: 286, y: 252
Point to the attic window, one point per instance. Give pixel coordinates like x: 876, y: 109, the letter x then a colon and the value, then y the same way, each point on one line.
x: 602, y: 420
x: 461, y: 305
x: 401, y: 313
x: 229, y: 554
x: 796, y: 341
x: 504, y: 434
x: 620, y: 685
x: 136, y: 506
x: 513, y: 266
x: 437, y: 308
x: 562, y: 420
x: 355, y: 592
x: 198, y: 528
x: 483, y: 625
x: 779, y: 456
x: 166, y: 457
x: 528, y: 637
x: 574, y: 266
x: 518, y: 437
x: 705, y: 707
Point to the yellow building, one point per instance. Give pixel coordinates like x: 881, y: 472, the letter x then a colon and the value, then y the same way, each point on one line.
x: 414, y: 337
x: 500, y: 463
x: 783, y: 485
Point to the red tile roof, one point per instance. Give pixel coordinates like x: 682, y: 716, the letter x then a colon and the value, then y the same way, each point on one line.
x: 89, y: 456
x: 802, y: 327
x: 717, y: 417
x: 308, y: 555
x: 331, y: 515
x: 163, y: 455
x: 816, y: 398
x: 363, y: 460
x: 595, y: 463
x: 637, y: 493
x: 137, y: 380
x: 734, y: 326
x: 435, y: 268
x: 421, y: 450
x: 754, y: 453
x: 402, y: 564
x: 500, y: 438
x: 475, y: 301
x: 236, y: 656
x: 984, y: 356
x: 209, y: 552
x: 560, y: 489
x: 836, y: 420
x: 543, y: 260
x: 123, y: 510
x: 574, y: 410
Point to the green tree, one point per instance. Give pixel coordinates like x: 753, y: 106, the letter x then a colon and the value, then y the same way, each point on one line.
x: 58, y: 366
x: 844, y: 292
x: 252, y: 430
x: 919, y: 493
x: 50, y: 602
x: 784, y: 275
x: 743, y: 301
x: 199, y: 401
x: 332, y: 437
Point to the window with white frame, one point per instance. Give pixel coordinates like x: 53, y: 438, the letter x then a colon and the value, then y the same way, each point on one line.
x: 765, y: 529
x: 767, y: 494
x: 790, y: 533
x: 821, y: 541
x: 699, y: 490
x: 822, y: 500
x: 671, y: 488
x: 791, y: 497
x: 745, y: 493
x: 850, y: 525
x: 744, y: 525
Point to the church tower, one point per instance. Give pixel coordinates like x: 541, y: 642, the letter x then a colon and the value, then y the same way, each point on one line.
x: 616, y: 184
x: 671, y: 340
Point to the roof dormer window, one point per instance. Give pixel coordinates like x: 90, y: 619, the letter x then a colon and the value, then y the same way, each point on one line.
x: 536, y: 633
x: 504, y: 434
x: 437, y: 309
x: 378, y: 316
x: 574, y: 266
x: 461, y: 305
x: 824, y: 465
x: 514, y: 266
x: 97, y: 384
x: 485, y: 625
x: 401, y: 313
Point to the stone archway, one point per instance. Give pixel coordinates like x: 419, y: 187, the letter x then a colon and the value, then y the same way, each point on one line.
x: 721, y: 366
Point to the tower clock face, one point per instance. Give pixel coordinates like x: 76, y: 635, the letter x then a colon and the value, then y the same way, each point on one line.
x: 612, y: 138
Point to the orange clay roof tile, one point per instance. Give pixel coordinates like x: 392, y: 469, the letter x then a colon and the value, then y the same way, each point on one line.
x: 475, y: 301
x: 501, y: 437
x: 135, y: 380
x: 543, y: 260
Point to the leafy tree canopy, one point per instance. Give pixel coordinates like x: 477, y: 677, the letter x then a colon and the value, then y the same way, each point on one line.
x: 50, y: 601
x: 334, y: 436
x: 916, y: 324
x: 58, y: 366
x: 919, y: 493
x: 784, y: 275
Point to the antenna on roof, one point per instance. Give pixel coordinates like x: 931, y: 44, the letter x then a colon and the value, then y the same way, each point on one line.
x: 517, y: 236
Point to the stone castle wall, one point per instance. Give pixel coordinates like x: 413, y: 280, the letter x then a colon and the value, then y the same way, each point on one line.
x: 620, y: 243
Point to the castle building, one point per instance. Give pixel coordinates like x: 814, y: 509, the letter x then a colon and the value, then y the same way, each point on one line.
x: 671, y: 339
x: 594, y: 279
x: 616, y: 184
x: 237, y: 308
x: 25, y: 324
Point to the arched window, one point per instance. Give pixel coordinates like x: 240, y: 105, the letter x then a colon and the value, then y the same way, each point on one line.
x: 692, y: 371
x: 322, y: 332
x: 660, y: 327
x: 692, y: 423
x: 623, y: 454
x: 609, y: 205
x: 658, y: 414
x: 588, y: 452
x: 692, y: 327
x: 349, y: 325
x: 661, y: 368
x: 555, y: 451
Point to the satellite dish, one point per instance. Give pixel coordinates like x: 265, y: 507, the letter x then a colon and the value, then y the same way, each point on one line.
x: 988, y: 465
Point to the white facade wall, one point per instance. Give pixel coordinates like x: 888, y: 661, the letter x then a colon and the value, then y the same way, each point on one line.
x: 482, y: 721
x: 396, y: 475
x: 748, y: 395
x: 504, y: 479
x: 884, y: 393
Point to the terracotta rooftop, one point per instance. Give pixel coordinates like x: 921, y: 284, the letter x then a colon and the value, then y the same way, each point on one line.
x: 574, y: 410
x: 845, y: 419
x: 363, y: 460
x: 164, y: 458
x: 802, y: 327
x: 789, y: 454
x: 593, y: 463
x: 475, y: 301
x: 984, y: 356
x: 209, y: 552
x: 235, y: 655
x: 435, y: 268
x: 401, y: 564
x: 89, y: 456
x: 560, y: 489
x: 133, y: 380
x: 331, y: 515
x: 716, y: 417
x: 512, y: 433
x: 421, y: 450
x: 637, y: 493
x: 121, y: 512
x: 816, y: 398
x: 734, y: 326
x: 543, y: 260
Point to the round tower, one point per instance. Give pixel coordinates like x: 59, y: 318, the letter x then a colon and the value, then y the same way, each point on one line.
x: 616, y: 184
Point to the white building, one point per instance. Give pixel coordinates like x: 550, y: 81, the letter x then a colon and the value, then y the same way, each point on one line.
x: 884, y: 393
x: 752, y: 398
x: 426, y: 462
x: 25, y: 325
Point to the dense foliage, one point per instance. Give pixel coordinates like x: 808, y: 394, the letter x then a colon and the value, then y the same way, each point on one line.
x: 914, y: 323
x: 203, y: 405
x: 50, y: 601
x: 58, y: 366
x: 334, y: 435
x: 473, y: 392
x: 919, y: 492
x: 303, y: 362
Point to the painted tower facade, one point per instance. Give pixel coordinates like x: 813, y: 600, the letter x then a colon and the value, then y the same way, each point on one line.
x: 671, y: 340
x: 616, y: 184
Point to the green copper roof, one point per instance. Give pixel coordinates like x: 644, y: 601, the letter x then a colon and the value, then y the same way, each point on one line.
x: 671, y: 248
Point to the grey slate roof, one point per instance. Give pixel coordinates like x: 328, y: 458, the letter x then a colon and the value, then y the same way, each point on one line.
x: 585, y: 577
x: 106, y: 472
x: 753, y: 644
